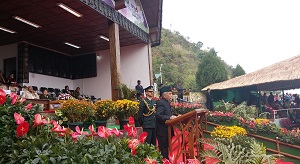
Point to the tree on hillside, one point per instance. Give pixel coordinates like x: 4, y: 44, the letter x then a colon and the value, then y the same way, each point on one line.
x: 238, y: 71
x: 211, y: 70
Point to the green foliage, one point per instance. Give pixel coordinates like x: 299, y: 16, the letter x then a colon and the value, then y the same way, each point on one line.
x: 41, y: 145
x: 126, y: 92
x: 180, y: 57
x: 211, y: 70
x: 241, y: 110
x: 238, y: 71
x: 239, y: 149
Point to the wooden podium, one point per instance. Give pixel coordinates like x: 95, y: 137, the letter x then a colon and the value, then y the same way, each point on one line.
x: 188, y: 130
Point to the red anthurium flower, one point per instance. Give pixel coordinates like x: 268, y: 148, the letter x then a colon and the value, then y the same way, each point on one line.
x: 103, y: 132
x: 38, y: 120
x: 193, y: 161
x: 143, y: 137
x: 131, y: 130
x: 22, y: 129
x: 166, y: 161
x: 13, y: 97
x: 2, y: 99
x: 116, y: 132
x: 131, y: 121
x: 80, y: 131
x: 93, y: 133
x: 18, y: 118
x: 29, y: 106
x: 150, y: 161
x: 132, y: 144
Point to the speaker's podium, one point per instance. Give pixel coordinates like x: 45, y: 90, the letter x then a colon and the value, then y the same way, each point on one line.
x: 188, y: 129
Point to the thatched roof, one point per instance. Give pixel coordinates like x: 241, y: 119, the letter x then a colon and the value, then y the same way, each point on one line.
x: 279, y: 76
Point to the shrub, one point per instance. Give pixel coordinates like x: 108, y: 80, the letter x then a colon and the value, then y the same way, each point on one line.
x: 77, y: 111
x: 105, y: 109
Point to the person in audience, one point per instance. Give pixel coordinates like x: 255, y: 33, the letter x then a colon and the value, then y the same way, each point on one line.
x: 76, y: 93
x: 66, y: 90
x: 2, y: 80
x: 271, y: 98
x: 45, y: 95
x: 11, y: 78
x: 294, y: 117
x: 30, y: 94
x: 264, y: 99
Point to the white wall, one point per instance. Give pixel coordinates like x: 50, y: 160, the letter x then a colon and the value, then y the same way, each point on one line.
x: 40, y: 80
x: 134, y: 66
x: 8, y: 51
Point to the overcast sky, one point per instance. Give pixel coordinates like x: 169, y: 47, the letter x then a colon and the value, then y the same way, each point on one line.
x: 252, y: 33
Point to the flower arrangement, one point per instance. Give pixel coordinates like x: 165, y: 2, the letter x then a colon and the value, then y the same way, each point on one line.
x: 221, y: 117
x: 289, y: 136
x: 227, y: 131
x: 105, y: 109
x: 77, y: 111
x: 126, y: 108
x: 258, y: 125
x: 183, y: 107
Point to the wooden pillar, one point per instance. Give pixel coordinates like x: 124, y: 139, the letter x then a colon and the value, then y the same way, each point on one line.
x: 150, y: 64
x: 115, y: 63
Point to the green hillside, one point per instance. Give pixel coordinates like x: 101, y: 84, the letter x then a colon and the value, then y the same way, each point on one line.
x: 180, y: 59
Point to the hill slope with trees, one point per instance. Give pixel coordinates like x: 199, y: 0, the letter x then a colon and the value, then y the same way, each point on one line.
x: 180, y: 61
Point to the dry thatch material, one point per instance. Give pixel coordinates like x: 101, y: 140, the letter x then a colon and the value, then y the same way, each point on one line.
x: 279, y: 76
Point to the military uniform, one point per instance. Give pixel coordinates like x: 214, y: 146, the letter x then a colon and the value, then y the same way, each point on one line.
x: 146, y: 118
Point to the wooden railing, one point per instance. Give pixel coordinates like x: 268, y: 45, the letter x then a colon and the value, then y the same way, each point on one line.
x: 187, y: 132
x: 272, y: 145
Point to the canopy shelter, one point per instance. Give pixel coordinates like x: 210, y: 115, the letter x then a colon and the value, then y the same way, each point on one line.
x: 96, y: 25
x: 283, y: 75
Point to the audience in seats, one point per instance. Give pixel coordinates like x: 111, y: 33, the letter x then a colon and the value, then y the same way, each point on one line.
x: 45, y: 95
x: 66, y: 90
x: 76, y: 93
x: 30, y: 93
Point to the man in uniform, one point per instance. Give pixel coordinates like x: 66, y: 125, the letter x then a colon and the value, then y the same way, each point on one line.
x: 139, y: 90
x: 163, y: 113
x: 146, y: 115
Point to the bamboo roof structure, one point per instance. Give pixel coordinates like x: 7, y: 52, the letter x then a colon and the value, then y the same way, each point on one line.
x: 282, y: 75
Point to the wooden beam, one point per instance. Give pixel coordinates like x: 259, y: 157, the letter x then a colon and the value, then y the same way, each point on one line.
x: 115, y: 63
x: 150, y: 64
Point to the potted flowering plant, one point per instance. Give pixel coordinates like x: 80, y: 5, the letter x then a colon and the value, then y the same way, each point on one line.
x: 105, y: 109
x: 261, y: 126
x: 125, y: 109
x: 76, y: 112
x: 227, y: 131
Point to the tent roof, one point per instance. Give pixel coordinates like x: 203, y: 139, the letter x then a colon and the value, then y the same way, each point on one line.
x: 279, y: 76
x: 58, y: 26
